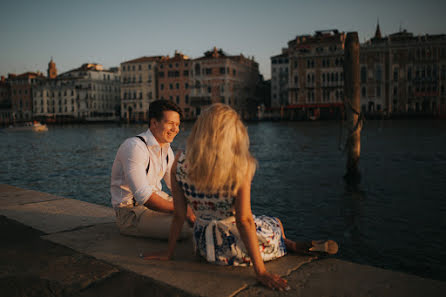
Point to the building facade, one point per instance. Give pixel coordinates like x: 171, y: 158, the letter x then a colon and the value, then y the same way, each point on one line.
x: 138, y: 87
x: 5, y: 103
x: 399, y: 74
x: 279, y: 79
x: 87, y: 93
x: 21, y: 94
x: 315, y: 82
x: 402, y: 73
x: 219, y: 77
x: 174, y: 82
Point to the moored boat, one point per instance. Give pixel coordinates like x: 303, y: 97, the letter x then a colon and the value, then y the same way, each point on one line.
x: 28, y: 126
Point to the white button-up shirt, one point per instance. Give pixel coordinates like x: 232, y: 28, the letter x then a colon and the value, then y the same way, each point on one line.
x: 129, y: 179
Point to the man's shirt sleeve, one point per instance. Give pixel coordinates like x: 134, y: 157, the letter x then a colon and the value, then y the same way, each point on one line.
x: 134, y: 162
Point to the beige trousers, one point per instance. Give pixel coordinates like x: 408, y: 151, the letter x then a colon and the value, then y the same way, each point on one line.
x: 143, y: 222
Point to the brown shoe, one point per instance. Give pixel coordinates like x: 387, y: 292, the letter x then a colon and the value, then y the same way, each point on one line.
x: 324, y: 246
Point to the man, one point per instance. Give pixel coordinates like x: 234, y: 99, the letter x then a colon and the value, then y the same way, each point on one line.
x: 142, y: 208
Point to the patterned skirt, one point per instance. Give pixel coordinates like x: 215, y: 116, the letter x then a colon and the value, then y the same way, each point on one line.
x: 219, y: 240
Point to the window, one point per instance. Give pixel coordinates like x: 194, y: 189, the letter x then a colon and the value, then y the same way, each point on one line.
x: 222, y: 70
x: 187, y: 99
x: 209, y: 89
x: 178, y: 100
x: 378, y: 91
x: 395, y: 74
x: 208, y: 71
x: 363, y: 74
x: 161, y: 86
x: 186, y: 73
x: 363, y: 92
x: 161, y: 74
x: 177, y: 85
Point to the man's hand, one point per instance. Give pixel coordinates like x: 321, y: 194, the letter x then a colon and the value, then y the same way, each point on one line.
x: 190, y: 216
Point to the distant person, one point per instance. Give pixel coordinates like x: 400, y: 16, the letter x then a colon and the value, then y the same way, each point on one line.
x: 141, y: 206
x: 214, y: 177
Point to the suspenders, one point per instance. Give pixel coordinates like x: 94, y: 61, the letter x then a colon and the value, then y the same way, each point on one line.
x: 148, y: 164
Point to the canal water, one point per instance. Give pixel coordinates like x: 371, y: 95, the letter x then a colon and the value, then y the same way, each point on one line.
x: 395, y: 219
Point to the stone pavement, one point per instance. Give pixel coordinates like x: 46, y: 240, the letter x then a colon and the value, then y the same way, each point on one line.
x: 87, y: 256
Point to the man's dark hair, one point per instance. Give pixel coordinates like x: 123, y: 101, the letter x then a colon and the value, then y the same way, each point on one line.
x: 157, y: 107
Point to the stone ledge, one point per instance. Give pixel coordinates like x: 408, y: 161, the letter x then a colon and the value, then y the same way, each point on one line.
x: 90, y: 230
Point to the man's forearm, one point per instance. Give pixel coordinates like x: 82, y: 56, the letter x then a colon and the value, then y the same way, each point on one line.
x: 157, y: 203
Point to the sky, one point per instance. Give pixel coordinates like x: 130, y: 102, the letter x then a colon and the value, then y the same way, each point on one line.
x: 111, y: 32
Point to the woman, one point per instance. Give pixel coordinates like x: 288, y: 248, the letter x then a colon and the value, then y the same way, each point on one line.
x: 214, y: 177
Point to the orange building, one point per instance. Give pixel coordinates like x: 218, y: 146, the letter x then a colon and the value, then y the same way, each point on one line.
x: 174, y: 81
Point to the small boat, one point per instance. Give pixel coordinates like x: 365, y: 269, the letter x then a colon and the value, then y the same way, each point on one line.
x: 28, y: 126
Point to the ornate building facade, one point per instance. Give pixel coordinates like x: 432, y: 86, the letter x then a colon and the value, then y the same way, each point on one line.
x: 138, y: 87
x: 399, y: 74
x: 403, y: 73
x: 174, y: 81
x: 219, y: 77
x: 87, y: 93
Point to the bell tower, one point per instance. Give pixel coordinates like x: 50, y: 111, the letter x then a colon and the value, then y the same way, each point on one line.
x: 52, y: 70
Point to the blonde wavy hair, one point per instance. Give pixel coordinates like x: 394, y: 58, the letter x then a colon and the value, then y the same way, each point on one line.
x: 217, y: 155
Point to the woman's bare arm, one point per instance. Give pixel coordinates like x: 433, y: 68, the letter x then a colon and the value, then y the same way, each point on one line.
x: 247, y: 230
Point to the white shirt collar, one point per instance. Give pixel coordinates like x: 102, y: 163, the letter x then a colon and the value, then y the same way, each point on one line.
x: 151, y: 140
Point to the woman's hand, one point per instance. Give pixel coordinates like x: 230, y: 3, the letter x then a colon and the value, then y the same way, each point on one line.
x: 163, y: 256
x: 273, y: 281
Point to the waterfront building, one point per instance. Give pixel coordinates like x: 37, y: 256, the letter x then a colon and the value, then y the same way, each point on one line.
x: 219, y: 77
x: 315, y: 81
x: 400, y: 73
x: 21, y: 94
x: 403, y: 73
x: 87, y: 93
x: 279, y: 79
x: 138, y: 87
x: 5, y: 102
x: 173, y: 81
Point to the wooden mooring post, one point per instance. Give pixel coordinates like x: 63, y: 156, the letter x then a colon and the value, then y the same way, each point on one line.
x: 352, y: 107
